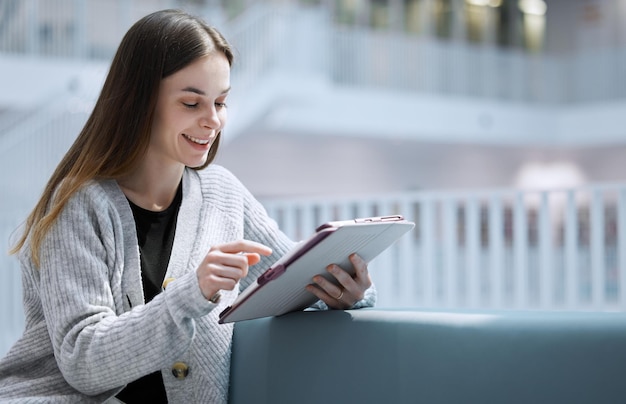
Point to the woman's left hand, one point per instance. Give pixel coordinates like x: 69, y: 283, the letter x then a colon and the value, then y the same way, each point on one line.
x: 351, y: 289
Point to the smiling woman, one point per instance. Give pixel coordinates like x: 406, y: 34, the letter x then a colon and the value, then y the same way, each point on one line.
x: 139, y: 241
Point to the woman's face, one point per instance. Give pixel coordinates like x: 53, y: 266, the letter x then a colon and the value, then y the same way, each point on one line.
x: 190, y: 112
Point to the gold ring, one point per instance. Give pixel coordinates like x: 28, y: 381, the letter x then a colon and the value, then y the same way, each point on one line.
x: 340, y: 296
x: 215, y: 299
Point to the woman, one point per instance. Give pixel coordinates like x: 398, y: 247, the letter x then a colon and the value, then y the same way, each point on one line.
x: 139, y: 242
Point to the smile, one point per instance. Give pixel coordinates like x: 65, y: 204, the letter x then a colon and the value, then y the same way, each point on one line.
x: 196, y: 140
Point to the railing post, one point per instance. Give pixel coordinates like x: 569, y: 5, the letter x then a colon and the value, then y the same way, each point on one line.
x: 450, y: 252
x: 621, y: 246
x: 496, y: 250
x: 520, y: 251
x: 427, y: 231
x: 290, y: 223
x: 572, y: 279
x: 472, y: 239
x: 598, y: 278
x: 406, y: 259
x: 546, y: 269
x: 307, y: 220
x: 392, y: 274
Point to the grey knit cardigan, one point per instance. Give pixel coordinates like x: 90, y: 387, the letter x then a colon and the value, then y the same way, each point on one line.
x: 88, y: 332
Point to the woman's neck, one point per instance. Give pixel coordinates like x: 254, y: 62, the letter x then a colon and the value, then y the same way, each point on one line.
x: 152, y: 189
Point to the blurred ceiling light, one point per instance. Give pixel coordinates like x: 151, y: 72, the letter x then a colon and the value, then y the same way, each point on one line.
x: 534, y: 7
x: 484, y: 3
x: 554, y: 175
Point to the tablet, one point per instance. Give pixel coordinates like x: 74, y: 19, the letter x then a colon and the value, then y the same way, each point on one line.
x: 281, y: 288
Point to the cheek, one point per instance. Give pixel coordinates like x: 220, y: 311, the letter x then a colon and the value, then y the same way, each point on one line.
x: 171, y: 124
x: 164, y: 129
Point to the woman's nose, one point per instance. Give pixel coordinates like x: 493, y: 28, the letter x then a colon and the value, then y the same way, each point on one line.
x: 210, y: 119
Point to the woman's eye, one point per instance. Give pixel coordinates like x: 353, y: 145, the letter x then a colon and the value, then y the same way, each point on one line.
x: 188, y: 105
x: 221, y: 105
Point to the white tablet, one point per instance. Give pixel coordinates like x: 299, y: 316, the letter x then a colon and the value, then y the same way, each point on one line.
x: 281, y: 288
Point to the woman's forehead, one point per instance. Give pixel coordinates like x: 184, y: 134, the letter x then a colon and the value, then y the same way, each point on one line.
x: 207, y: 75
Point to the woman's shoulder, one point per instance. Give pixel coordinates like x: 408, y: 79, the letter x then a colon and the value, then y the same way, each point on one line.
x: 97, y: 198
x: 96, y: 207
x: 215, y: 172
x: 97, y: 192
x: 218, y: 177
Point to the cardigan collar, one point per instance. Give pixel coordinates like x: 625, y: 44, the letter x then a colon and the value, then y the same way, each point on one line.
x: 188, y: 219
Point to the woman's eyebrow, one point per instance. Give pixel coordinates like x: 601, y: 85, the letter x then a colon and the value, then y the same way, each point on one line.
x: 194, y: 90
x: 200, y: 92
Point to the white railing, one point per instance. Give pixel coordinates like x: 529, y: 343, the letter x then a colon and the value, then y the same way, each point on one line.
x: 507, y: 249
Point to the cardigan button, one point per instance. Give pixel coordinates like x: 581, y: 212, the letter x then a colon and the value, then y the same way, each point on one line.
x: 180, y: 370
x: 166, y: 282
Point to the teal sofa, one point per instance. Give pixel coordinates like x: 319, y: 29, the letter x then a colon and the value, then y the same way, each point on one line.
x: 413, y: 356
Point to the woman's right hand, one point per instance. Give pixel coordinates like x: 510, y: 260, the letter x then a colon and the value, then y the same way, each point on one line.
x: 225, y: 264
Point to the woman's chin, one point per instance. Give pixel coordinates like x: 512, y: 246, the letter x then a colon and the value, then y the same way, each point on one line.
x: 197, y: 163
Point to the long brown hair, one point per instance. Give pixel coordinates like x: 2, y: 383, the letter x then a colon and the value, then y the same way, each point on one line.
x: 116, y: 135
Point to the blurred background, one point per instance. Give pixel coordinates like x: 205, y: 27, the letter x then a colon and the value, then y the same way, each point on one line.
x: 495, y: 125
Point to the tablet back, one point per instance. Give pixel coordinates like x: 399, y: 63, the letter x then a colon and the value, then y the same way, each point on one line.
x: 281, y: 289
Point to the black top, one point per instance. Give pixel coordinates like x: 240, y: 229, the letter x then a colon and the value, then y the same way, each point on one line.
x: 155, y: 234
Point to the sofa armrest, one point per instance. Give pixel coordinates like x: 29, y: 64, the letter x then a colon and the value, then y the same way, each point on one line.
x: 406, y: 356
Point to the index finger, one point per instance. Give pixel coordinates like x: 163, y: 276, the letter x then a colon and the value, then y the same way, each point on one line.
x: 244, y: 246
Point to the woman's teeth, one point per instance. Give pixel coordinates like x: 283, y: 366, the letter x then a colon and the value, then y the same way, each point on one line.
x: 196, y: 140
